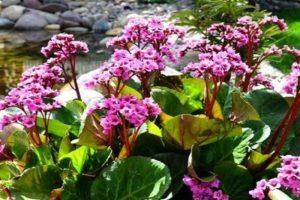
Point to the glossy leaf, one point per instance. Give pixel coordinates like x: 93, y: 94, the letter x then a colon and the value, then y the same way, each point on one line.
x: 132, y: 178
x: 91, y: 134
x: 242, y: 110
x: 77, y: 157
x: 8, y: 171
x: 186, y: 130
x: 18, y: 142
x: 37, y: 182
x: 55, y: 127
x: 235, y: 179
x: 77, y: 187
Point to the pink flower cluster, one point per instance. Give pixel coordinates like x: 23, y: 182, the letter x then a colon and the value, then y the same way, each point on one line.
x: 292, y: 80
x: 124, y: 65
x: 32, y: 95
x: 217, y: 61
x: 288, y: 177
x: 153, y: 33
x: 62, y: 47
x: 128, y: 108
x: 205, y: 190
x: 246, y: 32
x: 260, y: 79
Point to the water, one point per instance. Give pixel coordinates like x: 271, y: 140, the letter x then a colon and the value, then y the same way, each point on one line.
x: 21, y: 50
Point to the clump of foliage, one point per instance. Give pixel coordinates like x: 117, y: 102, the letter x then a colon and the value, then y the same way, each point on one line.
x: 207, y: 12
x: 207, y: 133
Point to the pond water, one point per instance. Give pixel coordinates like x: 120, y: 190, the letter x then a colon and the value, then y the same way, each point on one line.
x: 21, y: 50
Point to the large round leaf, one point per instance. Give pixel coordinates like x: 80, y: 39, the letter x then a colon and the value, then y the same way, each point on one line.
x: 236, y: 181
x: 270, y: 105
x: 37, y: 182
x: 186, y: 130
x: 132, y: 178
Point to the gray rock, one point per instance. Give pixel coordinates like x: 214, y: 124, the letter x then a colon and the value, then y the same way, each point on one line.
x: 81, y: 10
x: 52, y: 27
x: 87, y: 22
x: 80, y: 30
x: 6, y: 23
x: 54, y: 7
x: 68, y: 23
x: 71, y: 16
x: 6, y: 3
x: 13, y: 13
x: 101, y: 26
x: 54, y: 1
x: 37, y: 36
x: 35, y: 4
x: 75, y: 4
x: 51, y: 18
x: 31, y: 21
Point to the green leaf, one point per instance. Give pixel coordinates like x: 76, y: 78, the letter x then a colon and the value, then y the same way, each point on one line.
x: 174, y: 102
x: 177, y: 164
x: 65, y: 147
x: 55, y: 127
x: 270, y: 105
x: 43, y: 154
x: 8, y: 171
x: 132, y: 178
x: 148, y: 145
x: 129, y: 90
x: 76, y: 107
x: 260, y: 130
x: 77, y: 188
x: 97, y: 159
x: 18, y: 143
x: 77, y: 157
x: 186, y: 130
x: 295, y: 146
x: 153, y: 129
x: 91, y: 134
x: 242, y: 110
x: 256, y: 159
x: 224, y: 98
x: 37, y: 182
x: 235, y: 179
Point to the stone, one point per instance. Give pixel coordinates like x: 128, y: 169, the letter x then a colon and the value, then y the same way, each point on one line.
x: 101, y: 26
x: 13, y: 13
x: 79, y: 30
x: 54, y: 1
x: 51, y: 18
x: 6, y: 23
x: 71, y: 16
x: 31, y: 21
x: 124, y: 20
x: 87, y: 22
x: 75, y: 4
x: 6, y: 3
x: 54, y: 7
x: 68, y: 23
x: 35, y: 4
x: 37, y: 36
x: 51, y: 27
x: 81, y: 10
x: 114, y: 31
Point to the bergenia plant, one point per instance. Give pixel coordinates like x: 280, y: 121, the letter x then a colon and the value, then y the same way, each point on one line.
x: 207, y: 134
x: 62, y: 49
x: 33, y: 96
x: 247, y: 36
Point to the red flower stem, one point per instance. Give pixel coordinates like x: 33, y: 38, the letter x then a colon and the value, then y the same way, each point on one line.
x: 287, y: 130
x: 125, y: 138
x: 74, y: 77
x: 280, y: 128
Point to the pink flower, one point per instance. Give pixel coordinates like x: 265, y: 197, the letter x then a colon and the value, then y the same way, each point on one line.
x: 205, y: 190
x: 62, y: 47
x: 292, y: 80
x: 129, y: 108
